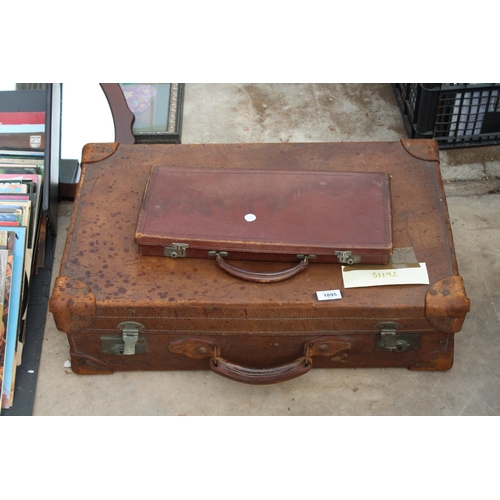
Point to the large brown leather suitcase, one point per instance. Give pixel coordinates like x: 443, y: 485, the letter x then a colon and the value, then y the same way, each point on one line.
x: 125, y: 311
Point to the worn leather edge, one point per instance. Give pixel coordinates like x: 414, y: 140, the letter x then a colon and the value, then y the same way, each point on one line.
x: 422, y: 149
x: 92, y: 153
x: 446, y: 304
x: 72, y: 304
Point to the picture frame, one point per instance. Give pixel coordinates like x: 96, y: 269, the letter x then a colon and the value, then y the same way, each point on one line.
x: 154, y: 110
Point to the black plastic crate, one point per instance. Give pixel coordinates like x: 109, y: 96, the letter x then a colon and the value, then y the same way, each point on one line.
x: 454, y: 114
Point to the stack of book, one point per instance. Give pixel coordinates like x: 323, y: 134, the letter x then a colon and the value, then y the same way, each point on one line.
x: 21, y: 178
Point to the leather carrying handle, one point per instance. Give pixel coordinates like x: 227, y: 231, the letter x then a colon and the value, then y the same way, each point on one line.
x: 263, y: 277
x: 203, y: 349
x: 261, y: 376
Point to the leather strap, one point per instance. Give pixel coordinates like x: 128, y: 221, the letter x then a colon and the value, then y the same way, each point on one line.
x: 258, y: 277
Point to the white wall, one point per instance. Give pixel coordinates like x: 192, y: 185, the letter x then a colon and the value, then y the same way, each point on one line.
x: 86, y: 118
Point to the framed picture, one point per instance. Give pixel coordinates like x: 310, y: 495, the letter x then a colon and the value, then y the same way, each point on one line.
x: 157, y: 109
x: 146, y: 113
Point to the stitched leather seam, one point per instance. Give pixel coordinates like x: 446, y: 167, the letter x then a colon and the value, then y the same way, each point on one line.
x: 334, y: 318
x: 273, y: 332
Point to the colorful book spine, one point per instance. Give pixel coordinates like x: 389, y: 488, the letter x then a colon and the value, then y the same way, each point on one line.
x: 5, y: 278
x: 22, y: 117
x: 14, y: 312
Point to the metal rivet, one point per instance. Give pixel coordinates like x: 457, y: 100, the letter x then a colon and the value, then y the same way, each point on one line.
x: 75, y: 318
x: 202, y: 350
x: 323, y: 347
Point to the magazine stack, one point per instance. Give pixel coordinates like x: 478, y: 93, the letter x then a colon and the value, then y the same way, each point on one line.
x: 21, y: 178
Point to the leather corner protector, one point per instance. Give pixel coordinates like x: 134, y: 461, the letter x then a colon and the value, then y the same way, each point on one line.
x: 422, y: 149
x: 435, y: 361
x: 72, y: 304
x: 87, y: 365
x: 446, y: 304
x: 96, y: 152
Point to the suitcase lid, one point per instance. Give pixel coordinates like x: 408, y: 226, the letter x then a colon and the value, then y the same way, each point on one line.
x: 111, y: 282
x: 267, y: 211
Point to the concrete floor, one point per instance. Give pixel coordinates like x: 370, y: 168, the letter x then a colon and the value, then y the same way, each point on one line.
x: 229, y: 113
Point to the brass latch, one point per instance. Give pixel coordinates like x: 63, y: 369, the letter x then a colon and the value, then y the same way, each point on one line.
x: 346, y: 257
x: 176, y: 250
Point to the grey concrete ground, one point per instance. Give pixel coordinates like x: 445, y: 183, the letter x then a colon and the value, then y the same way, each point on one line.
x: 228, y: 113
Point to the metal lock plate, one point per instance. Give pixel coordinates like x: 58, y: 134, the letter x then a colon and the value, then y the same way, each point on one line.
x: 390, y: 340
x: 177, y: 250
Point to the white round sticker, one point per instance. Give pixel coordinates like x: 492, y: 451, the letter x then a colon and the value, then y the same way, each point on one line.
x: 250, y: 217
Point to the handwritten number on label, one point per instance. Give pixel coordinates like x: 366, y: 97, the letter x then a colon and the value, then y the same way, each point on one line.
x: 385, y: 274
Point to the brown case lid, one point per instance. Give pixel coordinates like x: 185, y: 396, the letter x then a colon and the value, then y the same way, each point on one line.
x: 267, y: 211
